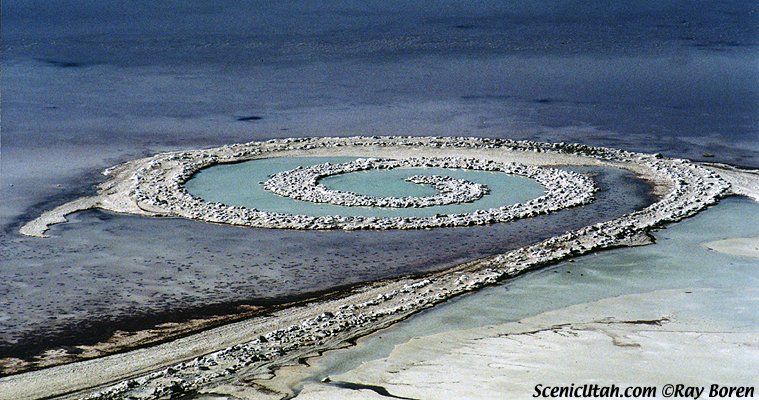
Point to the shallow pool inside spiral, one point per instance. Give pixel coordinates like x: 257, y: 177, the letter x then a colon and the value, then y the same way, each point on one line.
x: 241, y: 184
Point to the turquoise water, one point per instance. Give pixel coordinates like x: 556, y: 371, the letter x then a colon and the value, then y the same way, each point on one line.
x: 383, y: 183
x: 241, y: 185
x: 677, y: 261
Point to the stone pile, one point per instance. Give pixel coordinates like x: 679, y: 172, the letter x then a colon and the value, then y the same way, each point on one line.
x: 692, y: 188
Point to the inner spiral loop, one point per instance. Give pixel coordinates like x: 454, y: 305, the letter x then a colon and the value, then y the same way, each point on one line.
x: 303, y: 184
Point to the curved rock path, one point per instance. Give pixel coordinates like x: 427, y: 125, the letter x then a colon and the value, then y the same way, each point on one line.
x: 303, y: 184
x: 222, y: 361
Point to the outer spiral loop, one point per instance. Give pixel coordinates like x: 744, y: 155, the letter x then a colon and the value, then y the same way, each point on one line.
x: 158, y: 186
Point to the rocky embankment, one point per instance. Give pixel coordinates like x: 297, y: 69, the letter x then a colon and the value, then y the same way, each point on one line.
x: 223, y: 360
x: 331, y: 323
x: 166, y: 195
x: 154, y: 186
x: 563, y: 189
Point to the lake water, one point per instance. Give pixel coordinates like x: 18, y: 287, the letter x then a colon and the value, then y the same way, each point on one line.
x: 241, y: 185
x: 111, y: 271
x: 678, y: 260
x: 86, y: 85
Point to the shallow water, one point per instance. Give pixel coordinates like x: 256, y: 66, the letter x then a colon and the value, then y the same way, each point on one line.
x: 87, y: 85
x: 240, y: 184
x: 678, y: 260
x: 125, y: 272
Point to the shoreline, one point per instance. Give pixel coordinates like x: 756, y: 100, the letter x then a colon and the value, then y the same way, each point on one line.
x: 678, y: 262
x: 140, y: 331
x: 651, y: 333
x: 617, y: 188
x: 291, y: 334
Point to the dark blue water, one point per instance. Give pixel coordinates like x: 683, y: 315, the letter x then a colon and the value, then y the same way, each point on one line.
x: 88, y: 84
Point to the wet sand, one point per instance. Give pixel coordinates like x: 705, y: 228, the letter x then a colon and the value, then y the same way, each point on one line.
x: 746, y: 247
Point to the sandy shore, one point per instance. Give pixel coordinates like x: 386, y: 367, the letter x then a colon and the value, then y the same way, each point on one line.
x: 222, y: 360
x: 746, y: 247
x: 657, y: 337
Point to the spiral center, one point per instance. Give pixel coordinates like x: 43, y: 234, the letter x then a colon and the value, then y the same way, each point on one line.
x: 303, y: 184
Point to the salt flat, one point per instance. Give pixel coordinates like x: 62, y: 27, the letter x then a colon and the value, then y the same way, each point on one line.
x: 651, y: 338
